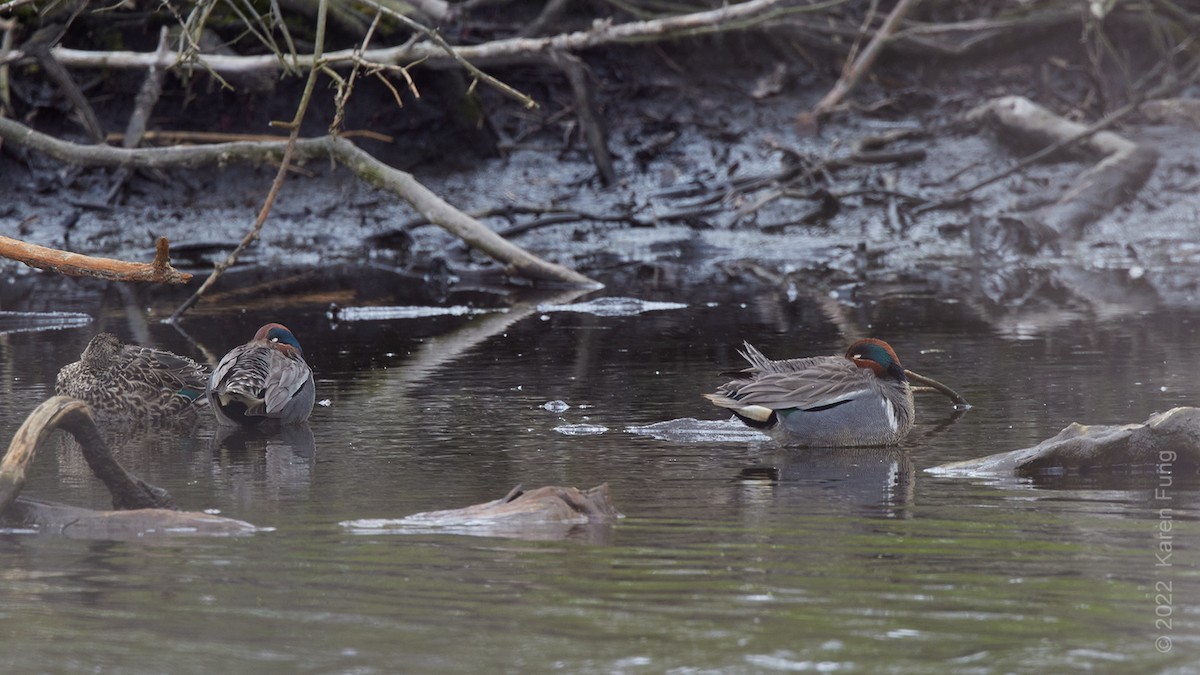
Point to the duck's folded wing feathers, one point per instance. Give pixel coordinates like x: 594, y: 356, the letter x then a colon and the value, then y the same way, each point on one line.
x: 286, y: 377
x: 819, y: 383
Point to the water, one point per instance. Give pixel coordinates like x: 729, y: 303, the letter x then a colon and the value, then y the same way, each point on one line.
x: 734, y: 556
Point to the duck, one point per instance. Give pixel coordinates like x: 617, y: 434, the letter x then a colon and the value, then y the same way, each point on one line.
x: 128, y: 381
x: 860, y: 398
x: 264, y: 379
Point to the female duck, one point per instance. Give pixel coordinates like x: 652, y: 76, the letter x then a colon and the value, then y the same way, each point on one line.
x: 859, y: 399
x: 265, y: 378
x: 131, y: 382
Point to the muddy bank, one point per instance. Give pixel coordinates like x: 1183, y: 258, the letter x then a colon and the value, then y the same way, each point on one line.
x: 696, y: 153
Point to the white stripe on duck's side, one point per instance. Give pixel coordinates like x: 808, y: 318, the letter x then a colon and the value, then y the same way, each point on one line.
x: 889, y: 411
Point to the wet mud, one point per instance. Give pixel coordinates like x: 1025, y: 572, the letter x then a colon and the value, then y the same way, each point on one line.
x: 717, y: 189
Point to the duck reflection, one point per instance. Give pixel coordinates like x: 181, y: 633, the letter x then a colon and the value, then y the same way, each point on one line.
x: 866, y: 476
x: 279, y: 460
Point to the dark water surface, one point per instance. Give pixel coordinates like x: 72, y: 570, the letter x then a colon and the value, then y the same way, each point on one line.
x: 735, y: 556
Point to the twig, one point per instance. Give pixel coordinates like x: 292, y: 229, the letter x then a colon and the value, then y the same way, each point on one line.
x: 936, y: 386
x: 280, y: 175
x: 585, y: 109
x: 453, y: 53
x: 864, y: 61
x: 143, y: 105
x: 345, y: 89
x: 76, y: 265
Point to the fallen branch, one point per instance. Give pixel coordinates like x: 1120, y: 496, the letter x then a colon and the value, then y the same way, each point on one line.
x: 142, y: 509
x: 76, y: 265
x: 38, y: 46
x: 75, y: 417
x: 143, y: 106
x: 371, y: 170
x: 865, y: 60
x: 585, y: 109
x: 922, y: 383
x: 731, y: 17
x: 1114, y: 179
x: 166, y: 136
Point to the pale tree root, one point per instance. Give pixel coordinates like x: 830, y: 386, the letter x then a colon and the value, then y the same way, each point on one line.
x: 403, y: 184
x: 1116, y: 178
x: 141, y: 508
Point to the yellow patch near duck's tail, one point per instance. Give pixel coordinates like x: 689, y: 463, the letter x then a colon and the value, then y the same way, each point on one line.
x: 756, y: 413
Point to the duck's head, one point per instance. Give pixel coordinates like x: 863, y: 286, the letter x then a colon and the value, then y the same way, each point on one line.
x: 101, y: 349
x: 879, y: 357
x: 279, y: 335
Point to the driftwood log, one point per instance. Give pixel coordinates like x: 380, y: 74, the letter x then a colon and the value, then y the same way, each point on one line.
x: 549, y: 512
x: 1167, y: 443
x: 142, y: 509
x: 1122, y: 170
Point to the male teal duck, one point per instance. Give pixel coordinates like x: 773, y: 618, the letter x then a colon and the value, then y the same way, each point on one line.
x: 123, y: 381
x: 266, y: 378
x: 859, y: 399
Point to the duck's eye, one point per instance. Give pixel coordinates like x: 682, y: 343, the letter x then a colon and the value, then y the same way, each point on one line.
x: 275, y: 339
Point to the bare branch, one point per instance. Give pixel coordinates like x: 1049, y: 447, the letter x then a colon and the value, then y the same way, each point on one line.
x: 731, y: 17
x: 280, y: 175
x: 401, y: 183
x: 76, y: 265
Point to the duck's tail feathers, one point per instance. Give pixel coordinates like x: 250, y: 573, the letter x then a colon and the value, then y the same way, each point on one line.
x: 756, y: 416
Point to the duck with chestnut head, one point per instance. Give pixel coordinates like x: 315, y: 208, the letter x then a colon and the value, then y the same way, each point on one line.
x: 264, y: 379
x: 860, y: 398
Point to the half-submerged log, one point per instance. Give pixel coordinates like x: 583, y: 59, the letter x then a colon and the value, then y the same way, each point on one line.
x: 141, y: 509
x: 549, y: 512
x: 1168, y: 441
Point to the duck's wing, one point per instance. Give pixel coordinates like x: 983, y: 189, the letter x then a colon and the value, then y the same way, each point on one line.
x: 166, y: 369
x: 807, y: 384
x: 286, y: 376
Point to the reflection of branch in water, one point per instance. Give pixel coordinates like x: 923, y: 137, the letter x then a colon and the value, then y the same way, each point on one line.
x: 209, y: 357
x: 438, y: 351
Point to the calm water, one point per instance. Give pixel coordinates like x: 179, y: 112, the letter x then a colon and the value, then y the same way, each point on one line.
x: 735, y: 556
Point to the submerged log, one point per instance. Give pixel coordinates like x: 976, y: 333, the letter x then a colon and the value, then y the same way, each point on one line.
x: 1170, y: 439
x: 142, y: 509
x: 547, y: 512
x: 80, y: 523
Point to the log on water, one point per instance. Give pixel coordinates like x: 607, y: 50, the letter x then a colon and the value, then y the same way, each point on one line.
x: 141, y: 510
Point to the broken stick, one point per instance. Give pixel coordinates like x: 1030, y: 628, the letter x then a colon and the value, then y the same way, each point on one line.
x: 77, y: 265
